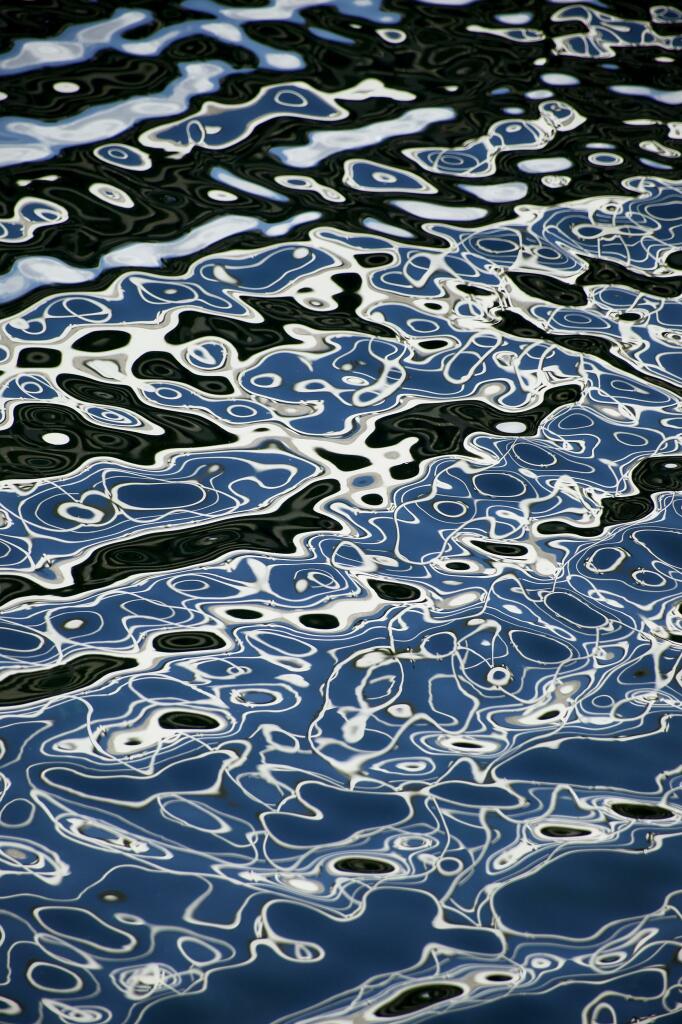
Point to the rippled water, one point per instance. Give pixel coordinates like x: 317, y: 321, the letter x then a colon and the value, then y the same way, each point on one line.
x: 339, y: 518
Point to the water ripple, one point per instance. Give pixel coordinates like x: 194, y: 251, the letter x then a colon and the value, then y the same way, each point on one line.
x: 340, y: 575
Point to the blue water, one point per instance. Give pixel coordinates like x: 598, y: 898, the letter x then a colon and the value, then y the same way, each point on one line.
x: 340, y: 472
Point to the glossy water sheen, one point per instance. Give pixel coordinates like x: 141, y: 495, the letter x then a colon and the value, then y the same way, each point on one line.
x: 339, y: 548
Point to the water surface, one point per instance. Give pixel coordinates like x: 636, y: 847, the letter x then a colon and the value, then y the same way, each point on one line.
x: 340, y: 566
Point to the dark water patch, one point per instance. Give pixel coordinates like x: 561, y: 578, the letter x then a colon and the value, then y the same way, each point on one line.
x: 642, y: 812
x: 45, y: 440
x: 418, y: 998
x: 187, y: 720
x: 274, y: 532
x: 649, y: 477
x: 394, y: 591
x: 161, y: 366
x: 441, y: 428
x: 180, y: 641
x: 363, y: 866
x: 563, y: 832
x: 21, y: 688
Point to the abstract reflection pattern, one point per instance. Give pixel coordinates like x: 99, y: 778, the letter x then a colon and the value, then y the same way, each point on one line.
x: 340, y: 559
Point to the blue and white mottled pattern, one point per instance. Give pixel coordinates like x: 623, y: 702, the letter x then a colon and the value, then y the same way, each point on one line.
x: 340, y: 560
